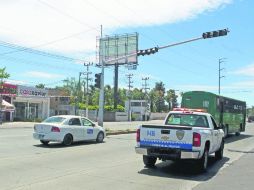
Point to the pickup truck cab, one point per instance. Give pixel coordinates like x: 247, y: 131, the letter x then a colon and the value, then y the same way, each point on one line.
x: 186, y: 134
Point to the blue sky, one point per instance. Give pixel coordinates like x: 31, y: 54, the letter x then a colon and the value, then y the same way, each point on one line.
x: 70, y: 28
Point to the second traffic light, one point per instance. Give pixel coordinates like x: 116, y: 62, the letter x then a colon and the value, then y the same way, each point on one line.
x: 147, y: 51
x: 97, y: 80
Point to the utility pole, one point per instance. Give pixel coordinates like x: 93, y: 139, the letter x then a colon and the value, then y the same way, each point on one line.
x: 78, y: 91
x: 221, y: 60
x: 87, y: 73
x: 145, y: 87
x: 129, y: 76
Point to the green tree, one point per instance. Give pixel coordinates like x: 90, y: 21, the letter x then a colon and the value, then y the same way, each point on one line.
x: 40, y: 86
x: 159, y: 94
x: 3, y: 75
x: 171, y: 99
x: 108, y: 91
x: 137, y: 94
x: 75, y: 88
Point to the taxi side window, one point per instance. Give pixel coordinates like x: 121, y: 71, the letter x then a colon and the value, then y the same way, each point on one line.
x: 85, y: 122
x: 214, y: 123
x: 74, y: 121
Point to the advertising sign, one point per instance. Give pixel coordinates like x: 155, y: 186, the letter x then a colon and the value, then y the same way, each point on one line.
x: 118, y: 47
x: 31, y: 91
x: 8, y: 89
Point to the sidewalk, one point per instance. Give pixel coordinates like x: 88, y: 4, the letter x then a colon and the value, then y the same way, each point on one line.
x: 109, y: 126
x: 239, y: 176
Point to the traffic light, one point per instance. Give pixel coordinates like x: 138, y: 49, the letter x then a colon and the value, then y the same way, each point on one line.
x: 147, y: 51
x: 215, y: 34
x: 97, y: 80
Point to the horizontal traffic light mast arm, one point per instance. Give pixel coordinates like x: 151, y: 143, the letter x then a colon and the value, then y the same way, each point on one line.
x: 179, y: 43
x: 205, y: 35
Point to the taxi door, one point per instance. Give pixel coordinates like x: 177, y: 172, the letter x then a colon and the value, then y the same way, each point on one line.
x: 89, y: 129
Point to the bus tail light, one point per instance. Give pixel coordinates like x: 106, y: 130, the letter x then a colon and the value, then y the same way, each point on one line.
x: 196, y: 140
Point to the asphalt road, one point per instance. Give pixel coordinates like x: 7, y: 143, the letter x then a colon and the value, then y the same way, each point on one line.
x: 26, y: 164
x: 107, y: 125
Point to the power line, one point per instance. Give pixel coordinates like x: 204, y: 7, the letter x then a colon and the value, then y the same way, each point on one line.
x: 47, y: 43
x: 67, y: 15
x: 38, y: 52
x: 43, y: 65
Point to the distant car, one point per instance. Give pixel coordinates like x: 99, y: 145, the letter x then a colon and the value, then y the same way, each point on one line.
x: 67, y: 129
x: 250, y: 119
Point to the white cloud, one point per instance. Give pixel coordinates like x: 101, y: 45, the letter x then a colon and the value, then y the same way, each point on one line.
x: 38, y: 74
x: 245, y: 71
x: 30, y: 23
x: 17, y: 82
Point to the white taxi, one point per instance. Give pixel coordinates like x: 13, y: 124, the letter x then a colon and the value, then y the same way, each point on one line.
x: 67, y: 129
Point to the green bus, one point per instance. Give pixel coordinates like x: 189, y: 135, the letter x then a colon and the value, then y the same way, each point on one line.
x: 229, y: 113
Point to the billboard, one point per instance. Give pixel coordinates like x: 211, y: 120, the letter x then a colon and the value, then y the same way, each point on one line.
x: 120, y: 47
x: 8, y: 89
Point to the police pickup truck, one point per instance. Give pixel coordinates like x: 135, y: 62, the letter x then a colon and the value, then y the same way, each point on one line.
x: 186, y: 134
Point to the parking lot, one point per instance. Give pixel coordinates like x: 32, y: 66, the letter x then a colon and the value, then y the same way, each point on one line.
x: 26, y: 164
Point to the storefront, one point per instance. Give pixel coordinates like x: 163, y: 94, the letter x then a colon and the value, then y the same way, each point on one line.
x: 7, y: 109
x: 31, y: 103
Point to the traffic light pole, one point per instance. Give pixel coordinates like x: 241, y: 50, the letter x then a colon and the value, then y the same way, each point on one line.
x: 101, y: 100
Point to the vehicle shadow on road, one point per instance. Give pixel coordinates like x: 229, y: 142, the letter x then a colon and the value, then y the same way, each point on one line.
x: 59, y: 145
x: 232, y: 138
x: 185, y: 170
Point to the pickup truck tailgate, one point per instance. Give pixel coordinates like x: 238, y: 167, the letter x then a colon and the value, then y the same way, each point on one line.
x: 166, y: 136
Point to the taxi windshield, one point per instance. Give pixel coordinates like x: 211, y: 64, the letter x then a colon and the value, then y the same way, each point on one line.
x: 192, y: 120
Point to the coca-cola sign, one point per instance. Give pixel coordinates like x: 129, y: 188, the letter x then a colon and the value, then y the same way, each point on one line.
x: 30, y: 91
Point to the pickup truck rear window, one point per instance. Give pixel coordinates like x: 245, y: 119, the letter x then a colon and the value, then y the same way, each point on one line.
x: 191, y: 120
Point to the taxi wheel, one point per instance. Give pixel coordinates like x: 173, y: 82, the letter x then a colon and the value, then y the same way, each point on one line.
x: 67, y: 140
x: 44, y: 142
x: 100, y: 137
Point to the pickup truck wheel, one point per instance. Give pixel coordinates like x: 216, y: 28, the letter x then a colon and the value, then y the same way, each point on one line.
x: 219, y: 153
x: 149, y: 161
x: 44, y: 142
x: 203, y: 162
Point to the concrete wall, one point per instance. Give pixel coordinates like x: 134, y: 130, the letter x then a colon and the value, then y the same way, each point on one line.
x: 109, y: 116
x: 121, y: 116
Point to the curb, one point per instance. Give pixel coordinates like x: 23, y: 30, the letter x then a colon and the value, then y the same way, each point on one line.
x: 119, y: 132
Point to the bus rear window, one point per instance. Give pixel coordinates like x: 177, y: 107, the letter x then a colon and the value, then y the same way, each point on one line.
x: 191, y: 120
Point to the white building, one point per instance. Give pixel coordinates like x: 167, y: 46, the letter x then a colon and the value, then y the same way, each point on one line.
x: 31, y: 103
x: 140, y: 109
